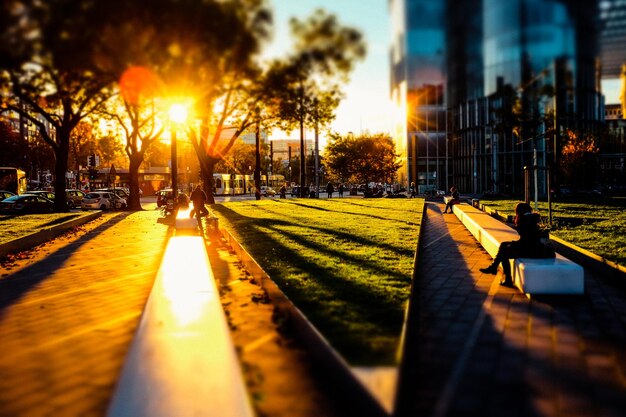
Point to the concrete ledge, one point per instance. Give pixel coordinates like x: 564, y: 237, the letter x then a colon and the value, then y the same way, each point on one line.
x: 610, y: 270
x: 44, y: 235
x: 530, y: 275
x: 182, y: 361
x: 337, y: 371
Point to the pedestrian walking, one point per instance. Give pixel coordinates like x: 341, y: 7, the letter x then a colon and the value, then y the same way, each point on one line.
x: 330, y: 189
x: 198, y: 198
x: 341, y: 188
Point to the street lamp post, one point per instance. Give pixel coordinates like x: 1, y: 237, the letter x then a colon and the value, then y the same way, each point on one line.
x: 178, y: 114
x: 174, y: 163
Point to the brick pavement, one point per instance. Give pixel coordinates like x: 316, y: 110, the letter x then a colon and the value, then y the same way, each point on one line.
x: 487, y: 350
x: 67, y: 318
x: 66, y: 321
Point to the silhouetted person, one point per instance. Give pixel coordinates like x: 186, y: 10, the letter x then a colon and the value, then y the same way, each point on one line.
x: 330, y: 189
x: 527, y: 246
x: 198, y: 197
x: 454, y: 199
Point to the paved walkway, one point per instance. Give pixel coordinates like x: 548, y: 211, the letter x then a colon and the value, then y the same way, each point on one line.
x: 69, y: 310
x: 67, y: 318
x: 68, y: 315
x: 487, y: 350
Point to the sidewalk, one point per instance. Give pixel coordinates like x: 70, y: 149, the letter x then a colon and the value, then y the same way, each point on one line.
x: 486, y: 350
x: 69, y: 310
x: 67, y: 316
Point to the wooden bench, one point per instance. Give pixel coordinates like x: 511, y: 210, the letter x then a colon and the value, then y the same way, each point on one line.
x: 531, y: 276
x: 182, y: 361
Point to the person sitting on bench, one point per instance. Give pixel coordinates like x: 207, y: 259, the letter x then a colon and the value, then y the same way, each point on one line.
x: 527, y: 246
x: 455, y: 199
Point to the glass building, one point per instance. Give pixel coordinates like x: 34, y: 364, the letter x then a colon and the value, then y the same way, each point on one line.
x: 418, y: 86
x: 491, y: 86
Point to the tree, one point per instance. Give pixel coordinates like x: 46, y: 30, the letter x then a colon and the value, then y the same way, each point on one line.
x: 239, y: 159
x: 362, y: 159
x: 51, y: 72
x: 325, y: 53
x: 110, y: 150
x: 12, y: 146
x: 578, y: 159
x: 83, y: 144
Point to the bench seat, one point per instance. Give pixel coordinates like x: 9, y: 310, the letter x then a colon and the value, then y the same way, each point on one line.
x: 531, y: 276
x: 182, y: 361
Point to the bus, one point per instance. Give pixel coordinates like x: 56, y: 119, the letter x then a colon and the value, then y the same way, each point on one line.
x: 228, y: 184
x: 13, y: 180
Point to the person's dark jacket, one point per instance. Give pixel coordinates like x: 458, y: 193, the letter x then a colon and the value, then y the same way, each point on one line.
x: 198, y: 197
x: 529, y: 244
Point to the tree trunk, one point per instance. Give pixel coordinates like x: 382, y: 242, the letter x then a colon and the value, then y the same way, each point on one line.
x: 134, y: 201
x: 257, y: 166
x: 208, y: 184
x: 61, y: 154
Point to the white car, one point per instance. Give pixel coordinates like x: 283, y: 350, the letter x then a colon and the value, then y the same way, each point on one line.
x: 267, y: 191
x: 102, y: 200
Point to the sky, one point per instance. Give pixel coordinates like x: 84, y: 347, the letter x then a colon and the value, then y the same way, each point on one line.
x: 366, y: 106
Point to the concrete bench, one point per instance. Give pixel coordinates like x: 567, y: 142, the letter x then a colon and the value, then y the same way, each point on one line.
x: 531, y: 276
x: 182, y: 361
x: 189, y: 226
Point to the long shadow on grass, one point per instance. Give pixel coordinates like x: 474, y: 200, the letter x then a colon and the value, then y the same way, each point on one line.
x: 382, y: 218
x: 348, y: 212
x: 348, y: 237
x: 337, y: 296
x: 15, y: 286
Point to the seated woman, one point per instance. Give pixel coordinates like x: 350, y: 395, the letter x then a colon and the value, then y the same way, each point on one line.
x: 455, y: 199
x: 527, y: 246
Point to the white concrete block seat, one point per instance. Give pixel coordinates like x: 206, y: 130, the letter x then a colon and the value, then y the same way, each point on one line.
x: 182, y: 361
x: 532, y: 276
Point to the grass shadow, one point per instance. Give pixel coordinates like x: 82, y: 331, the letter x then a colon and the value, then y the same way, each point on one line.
x: 13, y: 287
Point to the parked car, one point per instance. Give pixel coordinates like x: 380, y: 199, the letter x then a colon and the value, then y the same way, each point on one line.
x: 102, y: 200
x: 5, y: 194
x: 162, y: 196
x: 120, y: 203
x: 46, y: 194
x: 267, y: 191
x: 122, y: 192
x: 74, y: 198
x: 26, y: 203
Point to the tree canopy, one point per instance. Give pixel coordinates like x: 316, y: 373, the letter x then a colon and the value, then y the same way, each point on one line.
x: 362, y: 159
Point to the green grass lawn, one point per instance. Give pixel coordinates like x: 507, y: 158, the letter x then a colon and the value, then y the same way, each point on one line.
x: 346, y: 263
x: 598, y: 225
x: 15, y: 226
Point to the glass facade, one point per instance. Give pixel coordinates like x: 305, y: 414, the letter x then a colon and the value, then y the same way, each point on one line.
x: 423, y: 75
x: 493, y: 84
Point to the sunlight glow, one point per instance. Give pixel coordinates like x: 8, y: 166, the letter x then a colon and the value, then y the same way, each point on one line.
x: 178, y: 113
x: 186, y: 279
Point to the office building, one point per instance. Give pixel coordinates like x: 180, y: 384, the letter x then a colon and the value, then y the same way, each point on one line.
x: 490, y: 87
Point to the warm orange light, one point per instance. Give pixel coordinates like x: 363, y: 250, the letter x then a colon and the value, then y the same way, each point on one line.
x: 137, y: 83
x: 178, y: 113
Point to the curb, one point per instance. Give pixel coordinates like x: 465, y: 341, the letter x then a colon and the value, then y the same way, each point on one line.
x: 334, y: 367
x: 44, y: 235
x: 409, y: 342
